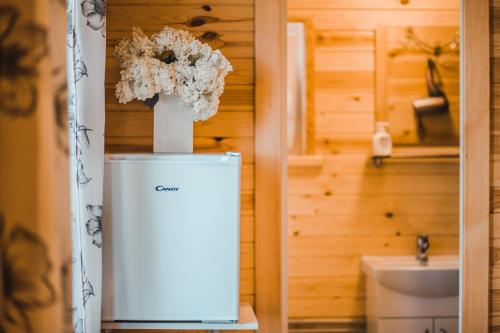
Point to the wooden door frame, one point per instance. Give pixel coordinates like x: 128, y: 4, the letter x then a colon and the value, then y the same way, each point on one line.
x: 270, y: 166
x: 474, y: 166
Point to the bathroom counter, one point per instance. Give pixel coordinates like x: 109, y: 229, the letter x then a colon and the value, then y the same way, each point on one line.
x: 247, y: 321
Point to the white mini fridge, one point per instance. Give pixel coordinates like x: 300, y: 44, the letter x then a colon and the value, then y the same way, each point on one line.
x: 171, y: 237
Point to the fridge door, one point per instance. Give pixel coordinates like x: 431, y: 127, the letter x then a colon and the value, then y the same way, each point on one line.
x: 171, y: 238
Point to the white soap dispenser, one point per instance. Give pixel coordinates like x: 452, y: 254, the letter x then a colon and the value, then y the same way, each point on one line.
x: 381, y: 142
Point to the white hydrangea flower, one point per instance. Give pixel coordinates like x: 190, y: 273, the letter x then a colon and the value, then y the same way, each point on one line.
x: 143, y: 78
x: 172, y: 62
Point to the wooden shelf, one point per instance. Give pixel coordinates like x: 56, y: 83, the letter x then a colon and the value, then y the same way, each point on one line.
x: 247, y: 321
x: 408, y: 153
x: 425, y: 152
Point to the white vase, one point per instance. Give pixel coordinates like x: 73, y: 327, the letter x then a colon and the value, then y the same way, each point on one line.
x: 173, y: 125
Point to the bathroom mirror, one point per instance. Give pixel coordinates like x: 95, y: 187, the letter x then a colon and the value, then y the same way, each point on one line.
x: 418, y: 83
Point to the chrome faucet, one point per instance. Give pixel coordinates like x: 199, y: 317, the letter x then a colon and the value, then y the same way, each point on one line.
x: 422, y: 248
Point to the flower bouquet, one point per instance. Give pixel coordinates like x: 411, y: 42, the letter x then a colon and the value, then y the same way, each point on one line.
x: 176, y: 75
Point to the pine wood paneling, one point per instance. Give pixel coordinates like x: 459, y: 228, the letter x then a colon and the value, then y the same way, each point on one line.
x: 227, y: 25
x: 350, y: 208
x: 494, y: 317
x: 345, y: 207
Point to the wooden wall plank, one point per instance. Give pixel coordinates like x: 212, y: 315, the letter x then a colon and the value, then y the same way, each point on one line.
x: 345, y: 307
x: 389, y: 224
x: 331, y: 100
x: 346, y: 40
x: 343, y: 80
x: 327, y: 287
x: 475, y: 160
x: 140, y: 123
x: 372, y: 185
x: 235, y: 98
x: 270, y: 165
x: 349, y: 19
x: 200, y: 3
x: 328, y: 60
x: 494, y: 278
x: 154, y: 17
x: 368, y: 245
x: 373, y: 4
x: 243, y: 71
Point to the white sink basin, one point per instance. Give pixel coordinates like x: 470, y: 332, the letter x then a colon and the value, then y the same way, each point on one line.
x: 405, y: 275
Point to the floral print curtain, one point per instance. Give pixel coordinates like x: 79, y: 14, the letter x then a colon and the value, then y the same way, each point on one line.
x: 86, y: 43
x: 35, y: 246
x: 51, y: 180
